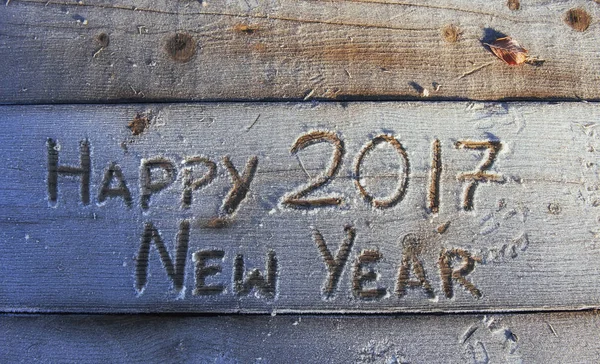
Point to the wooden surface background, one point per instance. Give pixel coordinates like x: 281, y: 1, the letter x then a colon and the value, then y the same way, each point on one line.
x: 99, y: 51
x: 567, y: 337
x: 77, y: 52
x: 67, y: 256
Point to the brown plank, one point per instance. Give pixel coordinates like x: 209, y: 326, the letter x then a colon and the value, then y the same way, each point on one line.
x: 520, y: 338
x: 119, y: 50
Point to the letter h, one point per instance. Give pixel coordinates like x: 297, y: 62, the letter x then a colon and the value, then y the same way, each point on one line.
x: 83, y: 171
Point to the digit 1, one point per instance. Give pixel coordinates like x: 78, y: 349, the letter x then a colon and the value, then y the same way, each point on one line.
x: 433, y: 195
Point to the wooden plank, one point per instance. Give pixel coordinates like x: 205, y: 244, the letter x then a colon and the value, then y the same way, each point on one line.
x: 123, y: 50
x: 466, y: 207
x: 521, y: 338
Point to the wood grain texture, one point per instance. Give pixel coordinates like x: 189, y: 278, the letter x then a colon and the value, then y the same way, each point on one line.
x: 529, y: 241
x: 121, y: 50
x: 522, y: 338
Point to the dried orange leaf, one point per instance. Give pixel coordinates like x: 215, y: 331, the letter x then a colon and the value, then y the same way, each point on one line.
x: 509, y: 50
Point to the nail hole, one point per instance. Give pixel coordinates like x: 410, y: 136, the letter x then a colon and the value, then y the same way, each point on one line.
x: 578, y: 19
x: 181, y: 47
x: 103, y: 39
x: 451, y: 33
x: 514, y: 4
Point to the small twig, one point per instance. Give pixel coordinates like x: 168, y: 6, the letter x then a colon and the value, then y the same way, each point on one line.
x: 98, y: 52
x: 303, y: 168
x: 137, y: 93
x: 309, y: 95
x: 7, y: 2
x: 552, y: 329
x: 254, y: 122
x: 534, y: 61
x: 475, y: 70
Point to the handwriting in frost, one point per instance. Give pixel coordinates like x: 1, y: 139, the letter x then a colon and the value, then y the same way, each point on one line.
x: 299, y: 199
x: 410, y: 274
x: 113, y: 184
x: 196, y: 172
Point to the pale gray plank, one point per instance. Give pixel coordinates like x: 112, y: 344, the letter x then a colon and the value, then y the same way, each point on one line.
x: 536, y: 234
x: 72, y: 51
x: 522, y: 338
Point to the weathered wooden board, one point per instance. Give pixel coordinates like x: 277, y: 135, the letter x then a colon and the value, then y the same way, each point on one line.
x: 431, y: 207
x: 123, y: 50
x: 521, y: 338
